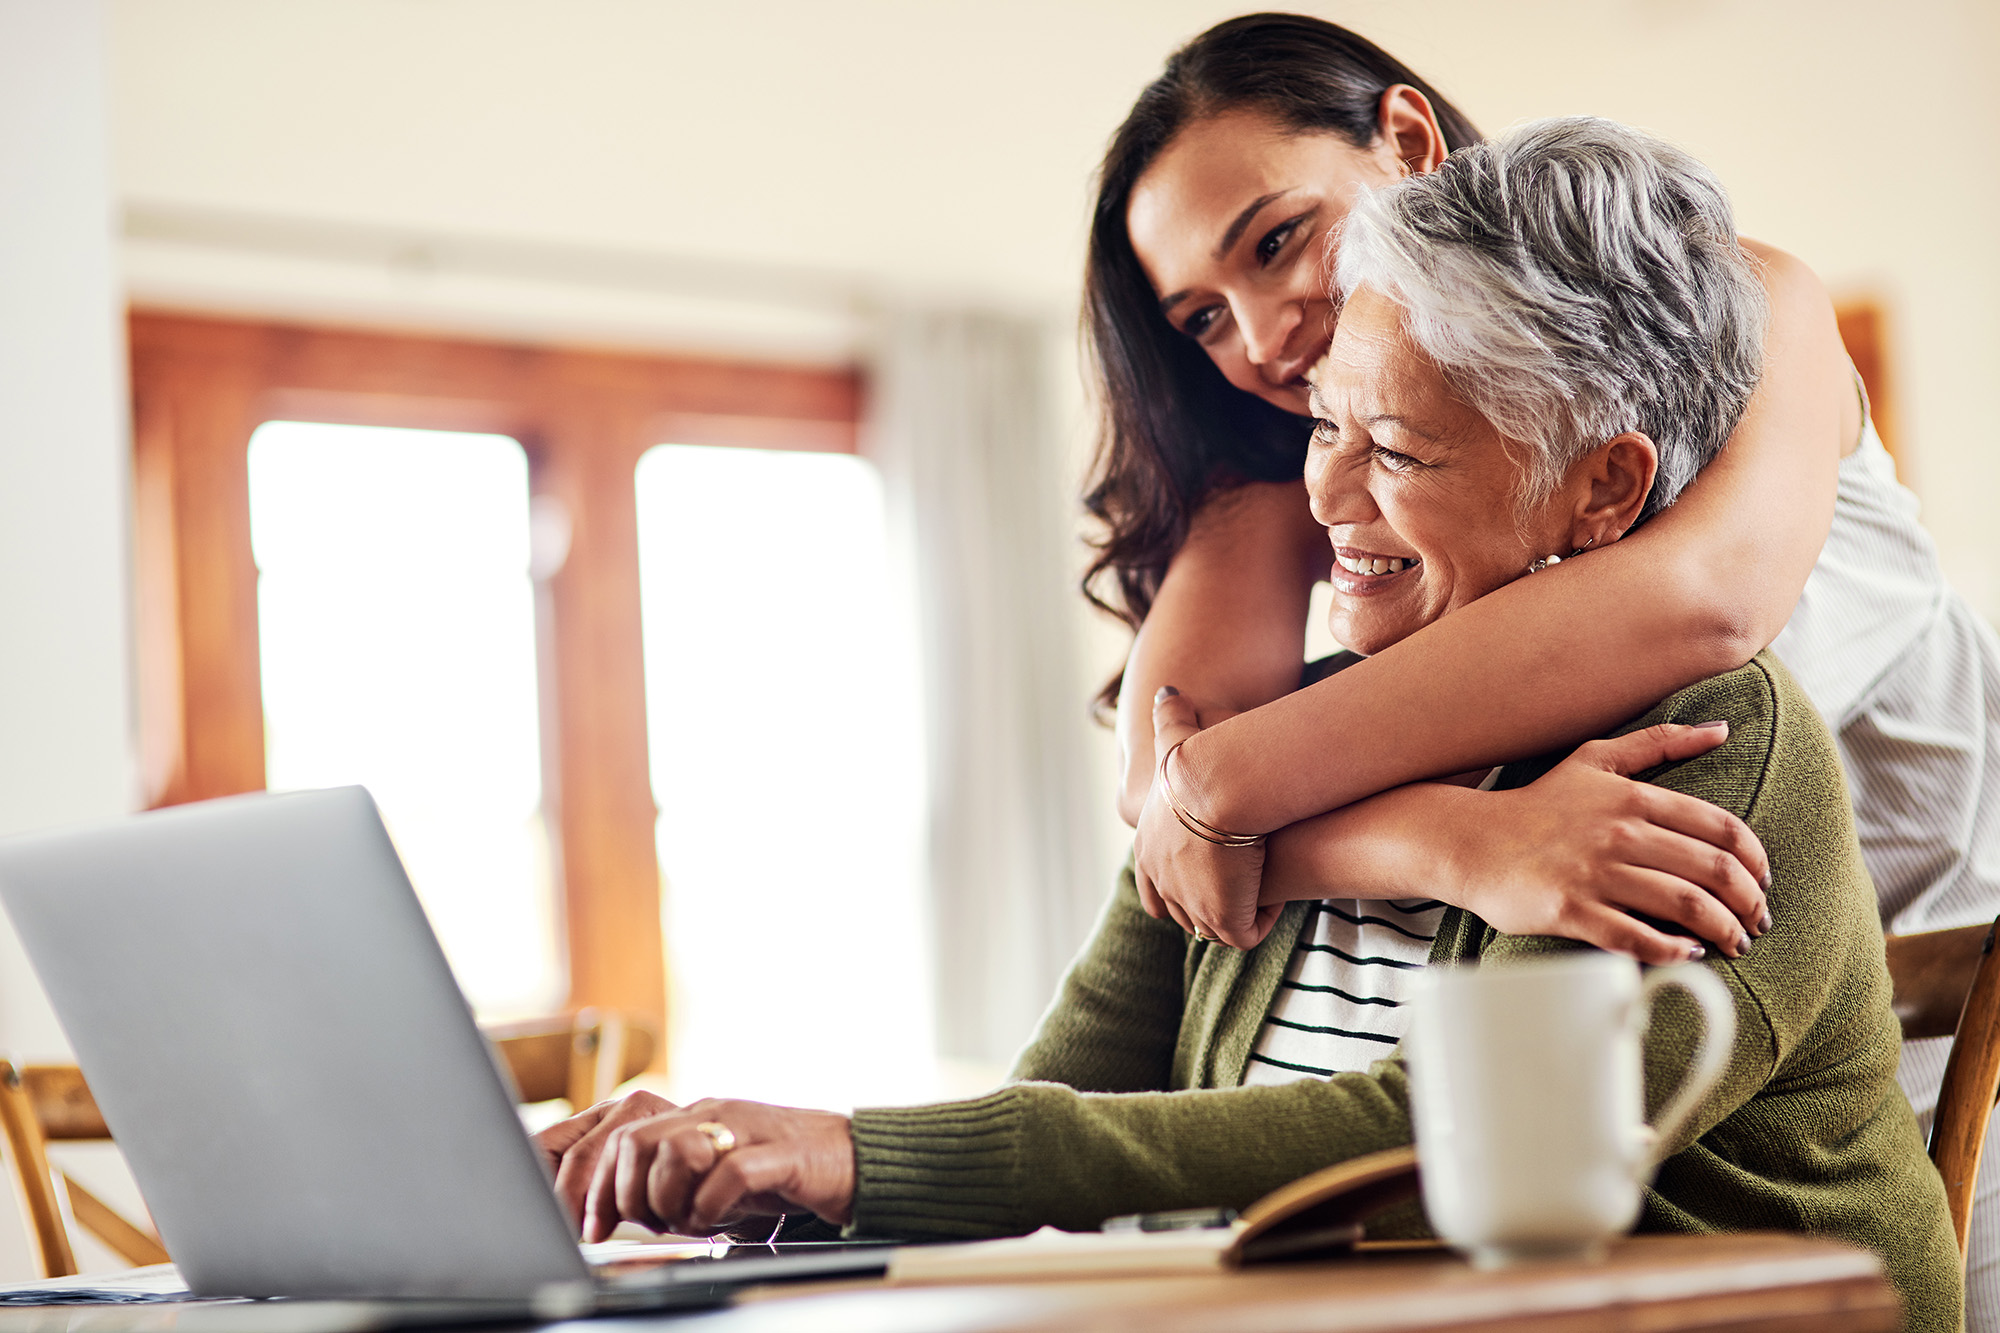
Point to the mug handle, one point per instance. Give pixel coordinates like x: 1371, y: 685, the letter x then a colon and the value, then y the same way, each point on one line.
x: 1711, y: 1057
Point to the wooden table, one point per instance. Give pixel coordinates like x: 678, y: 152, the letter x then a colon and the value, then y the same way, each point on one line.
x: 1649, y: 1284
x: 1762, y: 1283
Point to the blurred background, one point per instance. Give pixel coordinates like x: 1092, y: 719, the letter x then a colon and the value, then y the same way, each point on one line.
x: 640, y: 441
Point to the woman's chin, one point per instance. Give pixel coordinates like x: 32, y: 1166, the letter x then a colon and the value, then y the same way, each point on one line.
x: 1372, y: 611
x: 1366, y: 635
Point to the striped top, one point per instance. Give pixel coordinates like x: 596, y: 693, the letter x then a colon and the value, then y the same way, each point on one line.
x: 1340, y: 1006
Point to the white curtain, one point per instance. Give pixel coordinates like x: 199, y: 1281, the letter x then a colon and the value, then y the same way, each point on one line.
x: 964, y: 429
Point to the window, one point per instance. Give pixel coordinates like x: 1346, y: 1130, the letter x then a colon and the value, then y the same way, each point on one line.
x: 784, y: 716
x: 582, y: 420
x: 396, y: 642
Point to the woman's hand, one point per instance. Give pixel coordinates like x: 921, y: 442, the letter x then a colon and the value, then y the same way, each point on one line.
x: 1579, y: 851
x: 1208, y: 890
x: 1574, y: 854
x: 642, y: 1159
x: 571, y: 1148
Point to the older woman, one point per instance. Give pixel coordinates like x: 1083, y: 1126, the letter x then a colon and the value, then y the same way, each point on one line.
x: 1543, y: 341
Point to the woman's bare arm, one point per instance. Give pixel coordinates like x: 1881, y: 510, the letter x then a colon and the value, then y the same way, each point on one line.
x: 1228, y: 626
x: 1553, y: 660
x: 1580, y: 853
x: 1583, y: 852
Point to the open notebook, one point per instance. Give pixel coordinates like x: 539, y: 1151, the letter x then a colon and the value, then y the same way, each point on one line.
x: 1322, y: 1213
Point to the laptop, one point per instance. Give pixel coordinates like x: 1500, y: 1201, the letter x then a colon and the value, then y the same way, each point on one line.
x: 280, y: 1050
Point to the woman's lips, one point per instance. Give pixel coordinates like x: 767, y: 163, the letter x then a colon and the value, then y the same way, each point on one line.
x: 1361, y: 573
x: 1296, y: 372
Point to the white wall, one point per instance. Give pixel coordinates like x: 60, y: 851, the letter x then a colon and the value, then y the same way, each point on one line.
x: 65, y: 689
x: 65, y: 715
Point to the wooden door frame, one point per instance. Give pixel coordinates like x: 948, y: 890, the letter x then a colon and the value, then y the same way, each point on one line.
x: 201, y: 385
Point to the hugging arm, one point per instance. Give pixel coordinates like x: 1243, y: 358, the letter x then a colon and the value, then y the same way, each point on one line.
x: 1228, y: 625
x: 1538, y: 665
x: 1580, y: 853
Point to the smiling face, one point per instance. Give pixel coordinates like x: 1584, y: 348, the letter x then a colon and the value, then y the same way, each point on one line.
x: 1418, y: 492
x: 1230, y: 224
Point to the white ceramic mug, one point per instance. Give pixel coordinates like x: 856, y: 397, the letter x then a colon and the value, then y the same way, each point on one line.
x: 1527, y: 1097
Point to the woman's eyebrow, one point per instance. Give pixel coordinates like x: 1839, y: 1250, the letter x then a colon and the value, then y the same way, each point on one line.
x: 1236, y: 228
x: 1230, y: 236
x: 1392, y: 419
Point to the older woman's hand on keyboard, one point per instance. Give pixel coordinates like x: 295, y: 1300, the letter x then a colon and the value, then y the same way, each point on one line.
x: 697, y: 1169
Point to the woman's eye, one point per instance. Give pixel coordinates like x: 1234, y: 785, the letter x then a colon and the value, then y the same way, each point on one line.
x: 1274, y: 241
x: 1201, y: 321
x: 1325, y: 433
x: 1392, y: 460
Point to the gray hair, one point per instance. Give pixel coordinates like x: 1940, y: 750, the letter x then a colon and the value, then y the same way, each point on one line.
x: 1573, y: 279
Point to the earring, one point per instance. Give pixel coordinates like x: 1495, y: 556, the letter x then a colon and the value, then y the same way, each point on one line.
x: 1548, y: 560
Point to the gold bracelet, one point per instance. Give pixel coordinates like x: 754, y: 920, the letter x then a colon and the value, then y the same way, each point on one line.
x: 1193, y: 823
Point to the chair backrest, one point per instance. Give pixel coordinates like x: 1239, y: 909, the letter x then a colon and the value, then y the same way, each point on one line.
x: 579, y: 1058
x: 1946, y: 983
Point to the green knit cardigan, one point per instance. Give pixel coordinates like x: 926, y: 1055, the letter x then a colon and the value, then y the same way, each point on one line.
x: 1128, y: 1098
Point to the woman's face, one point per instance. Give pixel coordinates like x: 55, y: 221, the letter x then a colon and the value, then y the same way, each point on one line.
x: 1418, y: 492
x: 1230, y: 223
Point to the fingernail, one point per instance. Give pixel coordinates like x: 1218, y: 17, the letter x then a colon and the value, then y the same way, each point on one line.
x: 1764, y: 921
x: 1742, y: 945
x: 1764, y: 883
x: 1696, y: 953
x: 1166, y: 692
x: 1707, y: 726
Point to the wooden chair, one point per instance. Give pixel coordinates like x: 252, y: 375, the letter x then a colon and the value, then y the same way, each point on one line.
x: 1946, y: 983
x: 580, y: 1059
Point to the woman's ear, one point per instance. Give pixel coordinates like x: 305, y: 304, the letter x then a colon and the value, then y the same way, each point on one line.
x: 1410, y: 129
x: 1612, y: 482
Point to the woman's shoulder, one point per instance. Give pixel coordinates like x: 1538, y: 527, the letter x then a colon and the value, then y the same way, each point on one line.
x: 1779, y: 758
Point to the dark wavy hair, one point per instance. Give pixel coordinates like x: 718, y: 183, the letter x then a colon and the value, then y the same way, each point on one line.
x: 1174, y: 431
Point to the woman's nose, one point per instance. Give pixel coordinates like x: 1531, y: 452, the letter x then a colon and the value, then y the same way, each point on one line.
x: 1267, y: 330
x: 1319, y: 463
x: 1332, y: 487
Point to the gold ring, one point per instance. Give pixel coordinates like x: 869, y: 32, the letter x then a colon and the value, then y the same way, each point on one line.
x: 1207, y: 938
x: 719, y: 1134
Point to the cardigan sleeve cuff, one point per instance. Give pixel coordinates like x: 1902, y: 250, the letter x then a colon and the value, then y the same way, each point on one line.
x: 943, y: 1171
